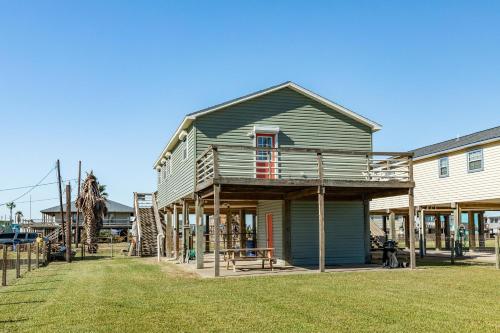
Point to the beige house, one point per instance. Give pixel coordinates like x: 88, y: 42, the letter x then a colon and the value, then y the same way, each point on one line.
x: 455, y: 180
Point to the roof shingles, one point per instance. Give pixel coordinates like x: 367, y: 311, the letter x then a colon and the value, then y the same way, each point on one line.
x: 463, y: 141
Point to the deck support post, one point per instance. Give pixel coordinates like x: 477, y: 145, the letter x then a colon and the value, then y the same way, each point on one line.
x: 472, y: 230
x: 480, y: 228
x: 422, y: 239
x: 457, y: 222
x: 199, y: 232
x: 176, y: 232
x: 366, y: 228
x: 254, y: 229
x: 384, y: 227
x: 287, y: 232
x: 437, y: 231
x: 406, y: 220
x: 392, y: 224
x: 411, y: 216
x: 447, y: 232
x: 229, y: 227
x: 321, y: 211
x: 186, y: 231
x: 207, y: 233
x: 217, y: 229
x: 243, y: 230
x: 169, y: 237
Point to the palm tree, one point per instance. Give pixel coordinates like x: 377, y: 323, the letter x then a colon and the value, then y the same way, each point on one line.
x: 102, y: 191
x: 19, y: 216
x: 11, y: 206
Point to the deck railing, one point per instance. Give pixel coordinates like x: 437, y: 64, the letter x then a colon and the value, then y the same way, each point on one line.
x: 228, y: 161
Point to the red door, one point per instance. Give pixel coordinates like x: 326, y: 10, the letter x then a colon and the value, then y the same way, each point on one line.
x: 269, y: 229
x: 265, y: 166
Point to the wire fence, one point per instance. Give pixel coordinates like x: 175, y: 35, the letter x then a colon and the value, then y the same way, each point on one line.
x: 17, y: 260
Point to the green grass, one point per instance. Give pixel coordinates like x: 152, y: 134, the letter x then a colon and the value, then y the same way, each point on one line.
x: 137, y: 295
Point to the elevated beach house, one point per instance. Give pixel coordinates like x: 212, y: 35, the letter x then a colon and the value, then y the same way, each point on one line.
x: 457, y: 181
x: 302, y: 165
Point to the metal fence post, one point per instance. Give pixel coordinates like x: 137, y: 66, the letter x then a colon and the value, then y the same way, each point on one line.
x: 111, y: 246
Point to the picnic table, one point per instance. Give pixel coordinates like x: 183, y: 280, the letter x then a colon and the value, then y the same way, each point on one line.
x: 262, y: 253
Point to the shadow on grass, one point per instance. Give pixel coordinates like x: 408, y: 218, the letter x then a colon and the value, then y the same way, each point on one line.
x: 39, y: 282
x: 24, y: 302
x: 25, y: 290
x: 8, y: 321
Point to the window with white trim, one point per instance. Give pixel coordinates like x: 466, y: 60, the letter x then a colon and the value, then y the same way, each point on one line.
x: 185, y: 148
x: 475, y: 160
x: 444, y: 170
x: 158, y: 176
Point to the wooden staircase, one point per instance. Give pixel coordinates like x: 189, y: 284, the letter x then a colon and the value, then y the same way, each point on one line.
x: 148, y: 222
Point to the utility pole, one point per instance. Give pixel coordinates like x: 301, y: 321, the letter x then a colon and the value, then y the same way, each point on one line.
x: 60, y: 198
x: 68, y: 223
x: 77, y: 231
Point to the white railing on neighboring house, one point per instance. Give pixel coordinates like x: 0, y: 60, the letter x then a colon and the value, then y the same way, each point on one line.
x: 227, y: 161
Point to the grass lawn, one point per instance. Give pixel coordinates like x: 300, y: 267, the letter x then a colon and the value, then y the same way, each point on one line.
x: 138, y: 295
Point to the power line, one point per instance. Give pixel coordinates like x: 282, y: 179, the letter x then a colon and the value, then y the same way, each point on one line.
x: 31, y: 189
x: 44, y: 184
x: 38, y: 200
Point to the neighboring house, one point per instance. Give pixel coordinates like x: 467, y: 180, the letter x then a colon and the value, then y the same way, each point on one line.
x: 118, y: 216
x: 279, y: 153
x: 458, y: 179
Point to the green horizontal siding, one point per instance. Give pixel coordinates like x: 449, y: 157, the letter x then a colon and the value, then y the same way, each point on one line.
x: 303, y: 122
x: 344, y: 233
x: 181, y: 182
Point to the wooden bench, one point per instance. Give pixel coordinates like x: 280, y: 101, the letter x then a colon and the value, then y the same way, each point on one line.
x: 234, y: 255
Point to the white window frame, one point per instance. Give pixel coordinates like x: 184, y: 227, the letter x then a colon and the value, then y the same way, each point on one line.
x: 469, y: 161
x: 441, y: 167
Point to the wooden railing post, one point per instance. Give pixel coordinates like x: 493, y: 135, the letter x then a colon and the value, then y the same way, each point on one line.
x: 411, y: 217
x: 29, y: 257
x: 18, y: 261
x: 217, y: 229
x: 4, y: 266
x: 215, y: 154
x: 37, y: 255
x: 368, y: 168
x: 321, y: 213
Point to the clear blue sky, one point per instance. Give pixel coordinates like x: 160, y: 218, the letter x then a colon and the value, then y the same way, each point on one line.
x: 107, y: 82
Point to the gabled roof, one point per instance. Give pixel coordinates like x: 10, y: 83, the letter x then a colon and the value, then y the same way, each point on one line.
x: 489, y: 135
x: 188, y: 119
x: 113, y: 207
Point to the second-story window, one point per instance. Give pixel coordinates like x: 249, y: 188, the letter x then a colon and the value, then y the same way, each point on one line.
x: 444, y: 170
x: 185, y: 148
x: 475, y: 160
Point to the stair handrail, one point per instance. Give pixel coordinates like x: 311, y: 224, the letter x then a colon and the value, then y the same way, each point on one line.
x: 138, y: 223
x: 159, y: 229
